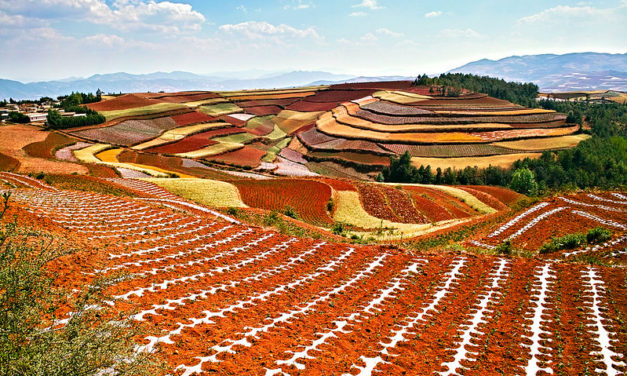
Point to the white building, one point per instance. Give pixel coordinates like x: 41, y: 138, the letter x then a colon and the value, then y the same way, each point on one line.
x: 37, y: 116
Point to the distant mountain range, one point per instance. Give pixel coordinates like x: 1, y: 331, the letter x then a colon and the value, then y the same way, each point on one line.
x: 569, y: 72
x: 161, y: 81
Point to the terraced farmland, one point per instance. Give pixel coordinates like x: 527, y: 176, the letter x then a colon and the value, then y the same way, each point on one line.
x: 226, y: 298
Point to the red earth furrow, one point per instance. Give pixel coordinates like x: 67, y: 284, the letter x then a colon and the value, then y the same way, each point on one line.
x: 320, y: 309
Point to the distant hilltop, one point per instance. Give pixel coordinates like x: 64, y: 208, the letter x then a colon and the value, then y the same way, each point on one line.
x: 557, y: 73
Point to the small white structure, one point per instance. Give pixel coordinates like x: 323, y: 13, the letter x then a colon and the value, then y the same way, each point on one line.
x: 37, y: 116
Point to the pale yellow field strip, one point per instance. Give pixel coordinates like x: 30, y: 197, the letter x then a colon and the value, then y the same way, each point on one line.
x: 400, y: 97
x: 205, y: 101
x: 466, y: 197
x: 211, y: 150
x: 548, y: 143
x: 220, y: 109
x: 504, y: 161
x: 268, y: 92
x: 208, y: 192
x: 145, y: 110
x: 177, y: 134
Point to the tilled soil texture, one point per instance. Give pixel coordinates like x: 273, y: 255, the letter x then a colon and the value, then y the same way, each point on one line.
x: 224, y: 298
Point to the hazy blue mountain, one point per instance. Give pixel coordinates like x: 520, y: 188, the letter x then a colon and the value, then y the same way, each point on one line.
x: 575, y: 71
x: 359, y: 79
x: 160, y: 81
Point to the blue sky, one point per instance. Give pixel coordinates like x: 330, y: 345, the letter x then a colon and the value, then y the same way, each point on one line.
x: 53, y: 39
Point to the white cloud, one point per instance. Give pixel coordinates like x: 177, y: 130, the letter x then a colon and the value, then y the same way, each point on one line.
x: 104, y: 39
x: 369, y: 37
x: 258, y: 30
x: 298, y: 5
x: 242, y: 8
x: 459, y: 33
x: 388, y: 32
x: 370, y: 4
x: 358, y: 14
x: 433, y: 14
x: 164, y: 16
x: 562, y: 11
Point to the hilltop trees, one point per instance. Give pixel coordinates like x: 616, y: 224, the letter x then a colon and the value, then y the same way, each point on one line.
x: 451, y: 84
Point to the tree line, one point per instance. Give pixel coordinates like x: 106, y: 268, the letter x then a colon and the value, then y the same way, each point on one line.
x: 75, y: 103
x: 451, y: 84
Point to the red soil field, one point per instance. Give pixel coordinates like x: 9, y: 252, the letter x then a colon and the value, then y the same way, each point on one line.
x: 8, y: 163
x: 192, y: 118
x: 194, y: 142
x: 47, y: 147
x: 187, y: 97
x: 428, y: 207
x: 307, y: 106
x: 452, y: 205
x: 247, y: 156
x: 349, y: 157
x: 373, y: 201
x: 398, y: 200
x: 506, y: 196
x: 267, y: 102
x: 486, y: 198
x: 231, y: 299
x: 385, y: 85
x: 122, y: 102
x: 338, y: 96
x: 263, y: 110
x: 339, y: 185
x: 128, y: 132
x: 308, y: 197
x: 231, y: 120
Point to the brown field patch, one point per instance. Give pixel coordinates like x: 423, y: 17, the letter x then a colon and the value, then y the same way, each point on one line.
x: 13, y: 138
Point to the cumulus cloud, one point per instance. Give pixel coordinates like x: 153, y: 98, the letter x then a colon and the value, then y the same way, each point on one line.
x: 259, y: 30
x: 370, y: 4
x: 164, y: 16
x: 562, y: 11
x: 459, y: 33
x: 388, y: 32
x: 435, y: 13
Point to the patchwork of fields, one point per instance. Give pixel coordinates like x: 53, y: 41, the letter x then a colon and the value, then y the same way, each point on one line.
x: 355, y: 126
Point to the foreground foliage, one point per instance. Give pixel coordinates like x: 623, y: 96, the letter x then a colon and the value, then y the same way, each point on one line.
x: 33, y: 340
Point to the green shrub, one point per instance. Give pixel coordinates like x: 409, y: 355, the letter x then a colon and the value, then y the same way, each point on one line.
x: 505, y: 248
x: 232, y: 211
x: 337, y: 228
x: 569, y: 241
x: 271, y: 218
x: 330, y: 205
x: 290, y: 212
x: 598, y: 235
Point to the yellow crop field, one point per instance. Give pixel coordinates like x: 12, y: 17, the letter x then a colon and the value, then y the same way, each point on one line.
x: 211, y: 150
x: 220, y: 109
x: 178, y: 134
x: 145, y: 110
x: 290, y: 121
x: 400, y: 97
x: 206, y: 101
x: 548, y: 143
x: 504, y: 161
x: 109, y: 155
x: 208, y: 192
x: 88, y: 155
